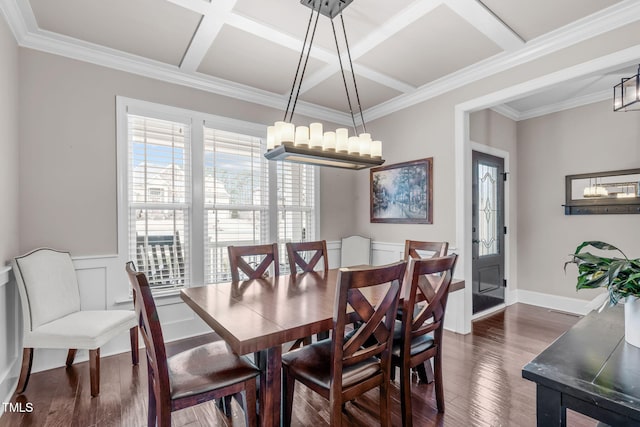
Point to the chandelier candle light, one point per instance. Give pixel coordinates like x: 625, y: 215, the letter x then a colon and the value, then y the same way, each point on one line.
x: 309, y: 144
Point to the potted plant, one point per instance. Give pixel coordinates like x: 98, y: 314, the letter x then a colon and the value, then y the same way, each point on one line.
x: 621, y: 277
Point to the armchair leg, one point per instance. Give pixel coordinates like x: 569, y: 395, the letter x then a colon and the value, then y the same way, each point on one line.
x: 71, y: 356
x: 94, y: 371
x: 133, y: 333
x: 27, y: 360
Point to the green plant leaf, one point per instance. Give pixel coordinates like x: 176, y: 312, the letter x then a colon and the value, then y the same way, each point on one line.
x: 599, y: 245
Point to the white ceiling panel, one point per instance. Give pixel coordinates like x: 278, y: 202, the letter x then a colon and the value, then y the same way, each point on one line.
x: 361, y: 18
x: 439, y: 43
x: 153, y: 29
x: 331, y: 93
x: 244, y: 58
x: 532, y: 18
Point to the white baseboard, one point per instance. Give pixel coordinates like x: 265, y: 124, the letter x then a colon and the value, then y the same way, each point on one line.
x: 555, y: 302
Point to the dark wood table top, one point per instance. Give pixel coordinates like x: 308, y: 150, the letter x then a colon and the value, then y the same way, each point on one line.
x: 256, y: 314
x: 593, y: 362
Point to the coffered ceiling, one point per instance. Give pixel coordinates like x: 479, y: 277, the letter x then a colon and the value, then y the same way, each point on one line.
x: 403, y: 51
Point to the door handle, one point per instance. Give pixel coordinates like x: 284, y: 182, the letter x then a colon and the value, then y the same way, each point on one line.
x: 475, y: 241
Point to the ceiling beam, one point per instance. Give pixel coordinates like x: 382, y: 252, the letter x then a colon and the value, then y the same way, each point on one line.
x: 398, y: 22
x: 208, y: 29
x: 200, y: 6
x: 485, y: 21
x: 273, y: 35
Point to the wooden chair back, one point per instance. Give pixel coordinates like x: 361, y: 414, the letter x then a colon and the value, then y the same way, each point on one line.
x: 151, y: 331
x: 374, y: 336
x: 314, y: 251
x: 411, y: 248
x: 432, y: 278
x: 254, y: 268
x: 161, y: 258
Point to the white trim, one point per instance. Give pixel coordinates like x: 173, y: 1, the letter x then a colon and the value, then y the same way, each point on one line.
x: 567, y: 105
x: 485, y: 21
x: 508, y: 112
x: 208, y: 29
x: 554, y: 302
x: 4, y: 275
x: 5, y: 376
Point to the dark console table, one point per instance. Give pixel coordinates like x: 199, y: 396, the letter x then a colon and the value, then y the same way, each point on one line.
x: 590, y: 369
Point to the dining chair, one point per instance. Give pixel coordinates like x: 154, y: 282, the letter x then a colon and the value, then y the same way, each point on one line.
x: 419, y: 337
x: 254, y: 268
x: 314, y: 252
x: 342, y: 368
x: 437, y: 249
x: 307, y: 255
x: 52, y: 314
x: 197, y: 375
x: 415, y: 249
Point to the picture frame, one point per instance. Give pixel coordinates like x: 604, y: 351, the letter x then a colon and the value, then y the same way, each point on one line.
x: 402, y: 193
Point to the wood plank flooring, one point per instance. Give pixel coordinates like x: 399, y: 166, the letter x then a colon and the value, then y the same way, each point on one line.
x: 482, y: 375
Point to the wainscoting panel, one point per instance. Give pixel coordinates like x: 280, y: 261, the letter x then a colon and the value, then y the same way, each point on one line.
x: 9, y: 334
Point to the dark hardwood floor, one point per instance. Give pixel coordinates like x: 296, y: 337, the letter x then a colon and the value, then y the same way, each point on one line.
x: 482, y: 375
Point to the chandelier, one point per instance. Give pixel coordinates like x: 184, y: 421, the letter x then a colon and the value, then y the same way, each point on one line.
x: 311, y: 144
x: 626, y: 94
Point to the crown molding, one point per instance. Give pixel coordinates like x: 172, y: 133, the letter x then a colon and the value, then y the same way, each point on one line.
x: 99, y: 55
x: 566, y: 105
x: 616, y: 16
x: 508, y: 112
x: 24, y: 27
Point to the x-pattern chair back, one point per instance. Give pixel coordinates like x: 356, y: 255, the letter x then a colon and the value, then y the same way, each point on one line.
x: 432, y: 278
x: 411, y: 248
x: 374, y: 334
x: 316, y: 251
x: 238, y: 263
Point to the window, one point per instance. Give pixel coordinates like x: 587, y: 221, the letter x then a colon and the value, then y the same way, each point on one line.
x: 296, y: 206
x: 195, y: 184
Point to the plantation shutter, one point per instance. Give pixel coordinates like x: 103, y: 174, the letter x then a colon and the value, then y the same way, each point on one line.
x: 296, y: 206
x: 159, y: 195
x: 236, y: 199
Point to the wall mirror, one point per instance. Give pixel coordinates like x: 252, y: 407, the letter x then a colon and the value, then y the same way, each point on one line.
x: 613, y: 192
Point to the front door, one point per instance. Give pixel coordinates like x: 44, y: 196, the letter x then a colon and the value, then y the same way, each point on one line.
x: 488, y: 231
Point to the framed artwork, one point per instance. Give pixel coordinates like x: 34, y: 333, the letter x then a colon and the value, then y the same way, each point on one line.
x: 403, y: 193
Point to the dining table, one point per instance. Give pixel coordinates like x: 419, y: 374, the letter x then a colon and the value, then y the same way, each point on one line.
x: 260, y: 315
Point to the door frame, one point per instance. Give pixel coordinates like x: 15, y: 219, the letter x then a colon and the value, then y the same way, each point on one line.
x: 504, y: 155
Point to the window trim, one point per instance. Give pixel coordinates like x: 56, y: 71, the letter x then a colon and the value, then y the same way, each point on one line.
x: 196, y: 120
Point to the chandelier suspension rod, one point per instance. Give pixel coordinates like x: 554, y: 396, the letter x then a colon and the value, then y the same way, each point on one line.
x: 353, y: 74
x: 304, y: 68
x: 344, y: 79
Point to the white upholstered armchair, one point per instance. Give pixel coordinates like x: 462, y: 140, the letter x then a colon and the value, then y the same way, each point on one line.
x: 53, y: 316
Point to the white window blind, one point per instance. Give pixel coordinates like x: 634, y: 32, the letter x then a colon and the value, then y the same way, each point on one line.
x: 236, y: 198
x: 296, y: 206
x: 159, y: 199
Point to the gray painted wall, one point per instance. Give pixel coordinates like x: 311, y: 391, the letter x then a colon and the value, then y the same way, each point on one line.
x: 68, y: 151
x: 587, y: 139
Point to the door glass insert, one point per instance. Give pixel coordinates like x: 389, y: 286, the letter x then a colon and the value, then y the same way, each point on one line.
x: 487, y: 209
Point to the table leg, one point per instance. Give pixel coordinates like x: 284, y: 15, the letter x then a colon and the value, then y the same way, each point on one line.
x: 549, y: 409
x: 270, y: 386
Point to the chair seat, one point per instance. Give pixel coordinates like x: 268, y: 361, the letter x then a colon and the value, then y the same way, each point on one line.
x: 207, y: 367
x: 418, y: 344
x: 313, y: 363
x: 86, y: 330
